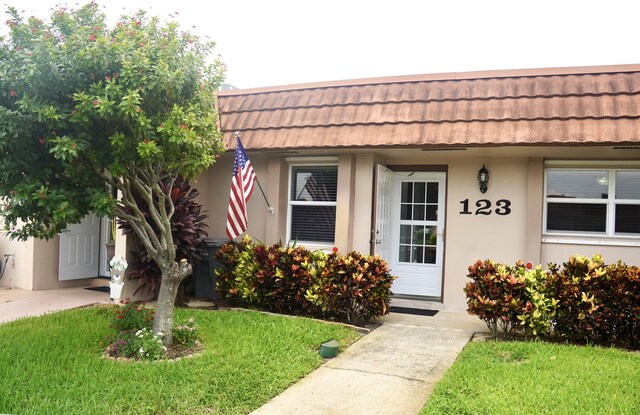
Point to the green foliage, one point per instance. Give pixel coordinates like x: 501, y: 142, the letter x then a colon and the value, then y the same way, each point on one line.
x: 131, y: 317
x: 541, y: 306
x: 352, y: 287
x: 497, y: 295
x: 585, y: 301
x: 49, y: 364
x: 598, y: 304
x: 294, y: 280
x: 186, y: 333
x: 85, y: 106
x: 132, y: 336
x: 514, y: 298
x: 145, y: 345
x: 187, y: 231
x: 506, y: 378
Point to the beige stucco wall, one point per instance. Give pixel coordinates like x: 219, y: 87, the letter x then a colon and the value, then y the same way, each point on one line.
x: 19, y: 269
x: 558, y: 253
x: 516, y: 174
x: 499, y: 237
x: 214, y: 186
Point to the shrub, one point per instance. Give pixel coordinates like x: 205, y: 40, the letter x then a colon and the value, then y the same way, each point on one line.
x: 584, y: 301
x: 295, y: 280
x: 512, y: 298
x: 187, y: 230
x: 496, y: 295
x: 597, y: 303
x: 145, y: 345
x: 132, y: 336
x: 353, y: 288
x: 186, y: 333
x: 132, y: 316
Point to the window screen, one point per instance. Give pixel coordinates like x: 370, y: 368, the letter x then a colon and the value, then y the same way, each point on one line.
x: 313, y: 203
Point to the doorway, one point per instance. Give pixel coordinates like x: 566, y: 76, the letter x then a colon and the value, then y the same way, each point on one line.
x: 409, y: 229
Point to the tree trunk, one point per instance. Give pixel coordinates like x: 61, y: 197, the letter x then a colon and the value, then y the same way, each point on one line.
x: 171, y: 278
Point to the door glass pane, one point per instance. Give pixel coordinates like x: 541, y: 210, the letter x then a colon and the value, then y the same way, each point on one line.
x: 405, y: 234
x: 418, y: 192
x: 429, y: 255
x: 432, y: 212
x: 431, y: 235
x: 407, y: 192
x: 418, y: 235
x: 418, y: 212
x: 417, y: 256
x: 578, y: 184
x: 404, y: 254
x: 405, y: 212
x: 628, y: 184
x: 432, y: 192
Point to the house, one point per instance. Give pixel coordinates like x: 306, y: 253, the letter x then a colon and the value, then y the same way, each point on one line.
x: 391, y: 166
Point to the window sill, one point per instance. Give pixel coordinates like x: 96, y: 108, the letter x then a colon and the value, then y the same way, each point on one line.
x: 584, y: 241
x: 314, y: 246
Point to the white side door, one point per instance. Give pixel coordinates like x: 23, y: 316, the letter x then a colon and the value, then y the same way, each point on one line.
x: 80, y: 250
x: 381, y: 233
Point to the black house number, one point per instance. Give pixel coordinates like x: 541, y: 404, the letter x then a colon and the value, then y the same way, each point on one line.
x: 484, y: 207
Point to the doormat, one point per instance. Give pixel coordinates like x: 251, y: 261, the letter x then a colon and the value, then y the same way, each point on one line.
x: 414, y: 311
x: 100, y: 289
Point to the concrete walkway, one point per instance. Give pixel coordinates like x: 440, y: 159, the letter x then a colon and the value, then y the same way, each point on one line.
x: 390, y: 371
x: 16, y: 303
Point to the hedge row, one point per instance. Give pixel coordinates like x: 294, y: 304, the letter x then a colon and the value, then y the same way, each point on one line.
x: 584, y: 301
x: 295, y: 280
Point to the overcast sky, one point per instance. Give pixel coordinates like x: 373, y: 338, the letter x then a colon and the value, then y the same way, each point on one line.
x: 276, y: 42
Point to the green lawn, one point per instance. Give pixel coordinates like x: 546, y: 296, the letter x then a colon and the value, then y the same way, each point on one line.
x: 52, y: 365
x: 538, y: 378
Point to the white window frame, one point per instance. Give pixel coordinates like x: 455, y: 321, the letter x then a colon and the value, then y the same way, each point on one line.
x: 308, y: 162
x: 610, y: 202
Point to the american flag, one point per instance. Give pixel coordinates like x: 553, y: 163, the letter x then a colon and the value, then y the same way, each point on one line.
x: 241, y: 189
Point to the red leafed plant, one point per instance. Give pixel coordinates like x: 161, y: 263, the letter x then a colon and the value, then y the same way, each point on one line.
x: 497, y: 295
x: 187, y: 229
x: 295, y: 280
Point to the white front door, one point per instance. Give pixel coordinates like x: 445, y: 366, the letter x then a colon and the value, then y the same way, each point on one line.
x: 416, y: 229
x: 80, y: 250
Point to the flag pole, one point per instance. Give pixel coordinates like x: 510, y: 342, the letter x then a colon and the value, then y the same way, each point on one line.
x: 269, y: 208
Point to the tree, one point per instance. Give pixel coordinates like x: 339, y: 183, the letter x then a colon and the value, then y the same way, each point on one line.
x: 85, y: 109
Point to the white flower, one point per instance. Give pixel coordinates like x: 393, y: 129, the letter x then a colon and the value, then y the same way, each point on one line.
x: 141, y: 351
x: 139, y: 332
x: 118, y: 264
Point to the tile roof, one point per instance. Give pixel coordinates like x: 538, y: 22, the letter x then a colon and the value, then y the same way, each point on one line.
x: 588, y: 105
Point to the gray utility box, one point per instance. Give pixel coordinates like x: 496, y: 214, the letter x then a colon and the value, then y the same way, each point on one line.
x: 204, y: 273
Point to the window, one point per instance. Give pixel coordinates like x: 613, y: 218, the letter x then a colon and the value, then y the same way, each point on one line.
x: 595, y: 201
x: 312, y: 203
x: 418, y: 222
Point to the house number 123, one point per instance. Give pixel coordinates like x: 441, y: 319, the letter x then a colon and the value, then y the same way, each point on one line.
x: 484, y: 207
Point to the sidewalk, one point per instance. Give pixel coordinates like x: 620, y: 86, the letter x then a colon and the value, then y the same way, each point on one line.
x: 16, y: 303
x: 390, y: 371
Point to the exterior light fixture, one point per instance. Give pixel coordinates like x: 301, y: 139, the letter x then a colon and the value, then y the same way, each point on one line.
x: 483, y: 179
